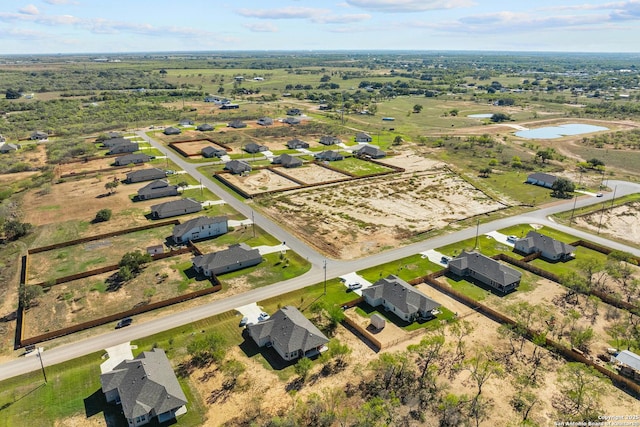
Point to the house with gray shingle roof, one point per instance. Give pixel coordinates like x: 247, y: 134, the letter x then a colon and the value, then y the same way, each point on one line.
x: 237, y: 166
x: 210, y: 152
x: 200, y: 228
x: 329, y: 156
x: 400, y: 298
x: 297, y: 143
x: 237, y: 124
x: 146, y: 387
x: 235, y: 257
x: 112, y: 142
x: 370, y: 151
x: 125, y: 147
x: 7, y: 148
x: 363, y: 137
x: 253, y: 148
x: 329, y: 140
x: 265, y: 121
x: 39, y: 135
x: 549, y: 248
x: 291, y: 120
x: 486, y: 270
x: 290, y: 333
x: 175, y: 208
x: 172, y: 131
x: 157, y: 189
x: 205, y: 127
x: 287, y: 160
x: 145, y: 175
x: 131, y: 159
x: 541, y: 179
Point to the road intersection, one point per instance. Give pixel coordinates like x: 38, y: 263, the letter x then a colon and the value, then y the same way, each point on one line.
x: 334, y: 268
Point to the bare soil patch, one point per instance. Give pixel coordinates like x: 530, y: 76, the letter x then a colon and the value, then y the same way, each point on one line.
x: 620, y: 222
x: 260, y: 181
x: 88, y: 166
x: 352, y: 219
x: 313, y: 174
x: 9, y: 178
x: 193, y: 148
x: 81, y: 199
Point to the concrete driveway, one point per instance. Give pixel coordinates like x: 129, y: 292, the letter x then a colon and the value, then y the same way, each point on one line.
x: 117, y: 354
x: 350, y: 278
x: 251, y: 311
x: 499, y: 237
x: 434, y: 256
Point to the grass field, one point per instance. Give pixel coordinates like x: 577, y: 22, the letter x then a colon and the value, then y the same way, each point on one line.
x: 407, y: 269
x: 359, y: 167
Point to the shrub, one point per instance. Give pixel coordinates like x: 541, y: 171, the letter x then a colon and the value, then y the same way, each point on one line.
x: 103, y: 215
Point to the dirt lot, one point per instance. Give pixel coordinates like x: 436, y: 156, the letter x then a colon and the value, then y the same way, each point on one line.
x: 313, y: 174
x: 91, y: 165
x: 621, y: 222
x: 353, y: 219
x: 81, y: 199
x: 90, y: 298
x: 193, y: 148
x: 259, y: 181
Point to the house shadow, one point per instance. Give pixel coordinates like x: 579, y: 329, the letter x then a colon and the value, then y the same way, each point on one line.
x: 113, y: 415
x: 478, y: 283
x: 251, y: 349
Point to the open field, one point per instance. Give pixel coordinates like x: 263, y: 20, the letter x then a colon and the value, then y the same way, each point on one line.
x: 620, y: 222
x: 91, y: 165
x: 259, y: 181
x: 313, y: 174
x: 381, y: 213
x: 359, y: 167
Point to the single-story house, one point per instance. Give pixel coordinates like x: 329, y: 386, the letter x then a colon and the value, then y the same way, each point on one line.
x: 112, y: 142
x: 628, y: 363
x: 549, y: 248
x: 329, y: 140
x: 205, y: 127
x: 146, y: 387
x: 253, y: 148
x: 211, y: 99
x: 294, y: 112
x: 363, y: 137
x: 486, y: 270
x: 287, y: 160
x: 297, y: 143
x: 186, y: 122
x: 200, y: 228
x: 235, y: 257
x: 175, y: 208
x: 3, y: 139
x: 7, y: 148
x: 145, y: 175
x: 541, y: 179
x: 229, y: 106
x: 237, y: 167
x: 172, y: 131
x: 370, y: 152
x: 265, y: 121
x: 127, y: 147
x: 290, y: 334
x: 210, y: 152
x: 291, y: 121
x: 237, y: 124
x: 400, y: 298
x: 40, y: 136
x: 157, y: 189
x: 132, y: 159
x: 329, y: 156
x: 113, y: 135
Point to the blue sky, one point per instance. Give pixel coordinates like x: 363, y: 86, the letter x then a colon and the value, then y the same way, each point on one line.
x: 83, y: 26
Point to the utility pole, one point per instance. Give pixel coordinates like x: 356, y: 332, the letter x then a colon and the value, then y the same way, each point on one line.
x: 614, y: 196
x: 44, y: 374
x: 477, y: 234
x: 575, y: 200
x: 601, y: 216
x: 325, y: 276
x: 253, y: 225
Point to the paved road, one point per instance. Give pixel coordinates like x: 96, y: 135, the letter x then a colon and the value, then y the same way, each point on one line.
x: 334, y: 269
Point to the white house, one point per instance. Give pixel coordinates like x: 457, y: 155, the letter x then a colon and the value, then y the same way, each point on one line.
x: 201, y: 227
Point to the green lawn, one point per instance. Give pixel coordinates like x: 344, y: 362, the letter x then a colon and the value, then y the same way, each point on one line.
x: 560, y: 268
x: 407, y: 268
x: 522, y: 230
x: 445, y: 315
x: 271, y: 270
x: 200, y: 194
x: 486, y: 246
x: 359, y: 167
x: 467, y: 288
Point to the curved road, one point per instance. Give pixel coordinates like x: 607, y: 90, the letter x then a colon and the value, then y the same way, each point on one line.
x: 315, y: 275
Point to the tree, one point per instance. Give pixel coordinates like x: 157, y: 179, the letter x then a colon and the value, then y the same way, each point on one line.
x: 485, y: 172
x: 103, y: 215
x: 13, y: 94
x: 562, y: 187
x: 500, y: 117
x: 14, y: 229
x: 581, y: 388
x: 29, y: 294
x: 303, y: 367
x: 208, y: 349
x: 373, y: 109
x: 111, y: 186
x: 427, y: 353
x: 397, y: 140
x: 131, y: 264
x: 417, y: 108
x: 482, y: 367
x: 545, y: 155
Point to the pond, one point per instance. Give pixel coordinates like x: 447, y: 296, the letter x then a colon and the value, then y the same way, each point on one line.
x: 480, y: 116
x: 552, y: 132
